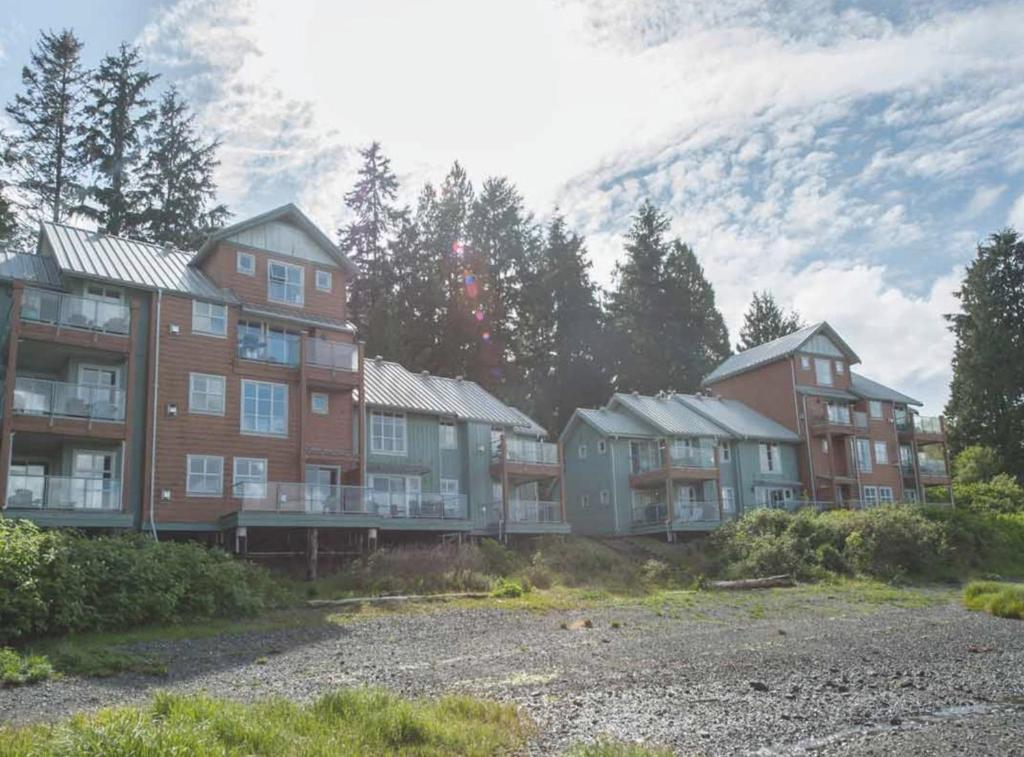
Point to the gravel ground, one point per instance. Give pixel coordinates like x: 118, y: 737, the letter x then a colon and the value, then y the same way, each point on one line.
x: 737, y: 676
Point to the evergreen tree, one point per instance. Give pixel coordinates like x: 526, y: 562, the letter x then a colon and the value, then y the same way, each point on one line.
x: 419, y: 290
x: 8, y: 221
x: 366, y: 241
x: 48, y: 114
x: 765, y: 321
x: 177, y: 178
x: 986, y: 403
x: 117, y: 115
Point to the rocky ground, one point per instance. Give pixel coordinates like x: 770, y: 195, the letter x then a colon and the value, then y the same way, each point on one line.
x: 779, y: 673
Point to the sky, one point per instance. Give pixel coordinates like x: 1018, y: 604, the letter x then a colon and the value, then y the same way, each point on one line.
x: 846, y: 156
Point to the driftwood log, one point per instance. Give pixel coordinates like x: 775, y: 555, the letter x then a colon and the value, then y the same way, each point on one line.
x: 395, y: 598
x: 769, y: 582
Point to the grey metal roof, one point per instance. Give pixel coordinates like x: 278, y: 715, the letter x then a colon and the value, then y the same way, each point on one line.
x: 298, y: 316
x: 27, y: 266
x: 824, y: 391
x: 777, y: 349
x: 93, y: 255
x: 668, y: 416
x: 864, y: 387
x: 742, y: 421
x: 615, y: 423
x: 390, y: 385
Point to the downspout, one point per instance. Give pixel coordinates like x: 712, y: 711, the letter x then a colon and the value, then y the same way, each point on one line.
x: 615, y: 488
x: 156, y: 405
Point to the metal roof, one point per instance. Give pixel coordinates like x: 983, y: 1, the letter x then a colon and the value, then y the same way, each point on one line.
x: 298, y: 316
x: 27, y: 266
x: 615, y: 423
x: 737, y: 418
x: 824, y: 391
x: 777, y: 349
x: 864, y: 387
x: 668, y: 416
x: 390, y: 385
x: 103, y: 257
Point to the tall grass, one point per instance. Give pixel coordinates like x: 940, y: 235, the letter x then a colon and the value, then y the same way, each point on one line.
x: 1000, y: 599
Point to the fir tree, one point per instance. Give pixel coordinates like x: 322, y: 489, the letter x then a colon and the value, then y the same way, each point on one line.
x: 48, y: 115
x: 8, y: 221
x: 765, y: 321
x: 177, y: 178
x: 986, y: 403
x: 118, y: 116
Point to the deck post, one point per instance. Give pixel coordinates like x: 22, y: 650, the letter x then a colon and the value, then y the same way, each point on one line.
x: 6, y: 423
x: 312, y: 549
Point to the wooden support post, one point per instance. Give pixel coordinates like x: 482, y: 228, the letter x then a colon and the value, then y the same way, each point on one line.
x: 312, y: 549
x: 503, y: 446
x: 561, y: 480
x: 10, y: 375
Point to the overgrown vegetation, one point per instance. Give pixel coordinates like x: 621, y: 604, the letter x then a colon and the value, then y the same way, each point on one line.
x: 613, y: 748
x: 17, y: 668
x: 54, y: 582
x: 364, y: 722
x: 1000, y: 599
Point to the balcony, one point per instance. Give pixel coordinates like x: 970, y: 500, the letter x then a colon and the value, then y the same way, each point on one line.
x: 63, y: 493
x: 688, y: 514
x: 352, y: 502
x: 525, y: 459
x: 836, y: 420
x: 331, y: 364
x: 932, y: 471
x: 652, y: 466
x: 649, y: 514
x: 695, y: 512
x: 75, y: 320
x: 929, y: 429
x: 534, y: 511
x: 44, y: 397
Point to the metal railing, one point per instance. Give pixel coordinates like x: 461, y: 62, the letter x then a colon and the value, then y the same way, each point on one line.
x: 928, y: 424
x: 697, y: 512
x: 277, y: 347
x: 645, y: 456
x: 534, y: 511
x: 34, y: 396
x: 63, y: 493
x: 530, y: 451
x: 647, y: 513
x: 74, y: 311
x: 338, y: 356
x: 930, y: 467
x: 690, y: 457
x: 349, y: 500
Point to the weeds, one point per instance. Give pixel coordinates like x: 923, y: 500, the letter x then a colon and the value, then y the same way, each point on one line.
x: 1000, y: 599
x: 17, y: 669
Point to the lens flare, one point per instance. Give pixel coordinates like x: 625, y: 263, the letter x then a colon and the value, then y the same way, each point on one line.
x: 479, y: 315
x: 486, y: 336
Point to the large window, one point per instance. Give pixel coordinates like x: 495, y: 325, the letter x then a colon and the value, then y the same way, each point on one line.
x: 250, y: 477
x: 823, y: 371
x: 769, y: 454
x: 449, y: 436
x: 387, y: 433
x: 728, y: 500
x: 209, y: 318
x: 205, y: 476
x: 881, y: 453
x: 864, y: 455
x: 205, y: 394
x: 874, y: 408
x: 261, y: 341
x: 264, y: 408
x: 284, y: 283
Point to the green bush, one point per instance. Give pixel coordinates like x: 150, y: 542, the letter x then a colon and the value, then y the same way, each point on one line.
x: 59, y: 581
x: 1000, y: 494
x: 999, y: 599
x: 16, y: 669
x: 975, y: 464
x: 507, y: 588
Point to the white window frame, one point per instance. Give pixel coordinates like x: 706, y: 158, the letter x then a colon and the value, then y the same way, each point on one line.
x: 875, y: 409
x: 602, y: 446
x: 209, y: 378
x: 205, y: 460
x: 248, y: 479
x: 399, y: 440
x: 584, y: 500
x: 242, y: 269
x: 256, y: 431
x: 871, y: 495
x: 882, y: 459
x: 329, y: 285
x: 840, y: 368
x: 863, y: 447
x: 448, y: 435
x: 271, y: 264
x: 728, y: 499
x: 823, y: 366
x: 581, y: 452
x: 320, y: 396
x: 885, y: 495
x: 449, y: 486
x: 724, y: 452
x: 606, y: 497
x: 209, y: 318
x: 768, y: 454
x: 910, y: 495
x: 805, y: 363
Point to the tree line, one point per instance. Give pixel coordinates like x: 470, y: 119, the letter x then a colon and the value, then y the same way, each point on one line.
x: 102, y: 145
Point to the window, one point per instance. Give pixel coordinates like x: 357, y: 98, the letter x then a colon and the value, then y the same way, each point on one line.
x: 103, y: 293
x: 910, y: 495
x: 582, y: 452
x: 769, y: 454
x: 284, y: 283
x: 387, y: 433
x: 724, y: 452
x: 602, y: 446
x: 319, y: 403
x: 885, y: 494
x: 250, y: 477
x: 245, y: 262
x: 875, y: 408
x: 870, y: 495
x: 324, y: 281
x: 449, y: 486
x: 864, y: 455
x: 209, y: 318
x: 805, y: 363
x: 584, y: 500
x: 823, y: 371
x: 840, y: 367
x: 205, y: 476
x: 606, y: 496
x: 728, y: 500
x: 261, y: 341
x: 824, y: 446
x: 264, y: 408
x: 449, y: 435
x: 881, y: 453
x: 206, y: 394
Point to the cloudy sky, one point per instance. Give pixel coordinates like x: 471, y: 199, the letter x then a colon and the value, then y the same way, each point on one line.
x: 847, y: 156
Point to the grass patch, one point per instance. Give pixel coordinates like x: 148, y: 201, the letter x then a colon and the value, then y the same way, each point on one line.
x: 1000, y: 599
x: 362, y: 721
x: 616, y: 748
x: 100, y: 662
x: 17, y: 669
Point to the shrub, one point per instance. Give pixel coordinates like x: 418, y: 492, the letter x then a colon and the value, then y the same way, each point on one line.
x: 1000, y: 494
x: 975, y: 464
x: 16, y: 669
x: 1000, y: 599
x: 507, y: 588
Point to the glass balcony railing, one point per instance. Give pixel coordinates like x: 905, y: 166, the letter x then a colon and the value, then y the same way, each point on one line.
x: 927, y: 425
x: 697, y: 512
x: 534, y: 511
x: 681, y: 456
x: 649, y: 513
x: 338, y: 356
x: 74, y: 311
x: 531, y: 451
x: 34, y: 396
x: 322, y: 499
x: 63, y: 493
x: 930, y: 467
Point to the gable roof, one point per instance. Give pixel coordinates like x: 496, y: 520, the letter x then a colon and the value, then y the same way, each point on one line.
x: 867, y: 389
x: 390, y: 385
x: 740, y: 420
x: 103, y: 257
x: 667, y: 415
x: 41, y: 270
x: 610, y: 422
x: 776, y: 349
x: 288, y: 212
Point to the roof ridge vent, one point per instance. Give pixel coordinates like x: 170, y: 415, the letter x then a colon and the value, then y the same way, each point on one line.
x: 424, y: 373
x: 635, y: 393
x: 378, y: 358
x: 459, y: 378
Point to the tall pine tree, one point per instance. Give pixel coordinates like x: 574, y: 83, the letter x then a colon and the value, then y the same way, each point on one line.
x: 48, y: 116
x: 118, y: 115
x: 765, y: 321
x: 986, y: 403
x: 177, y: 178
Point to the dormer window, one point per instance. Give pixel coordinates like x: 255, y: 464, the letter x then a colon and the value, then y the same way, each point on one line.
x: 245, y: 263
x: 285, y: 283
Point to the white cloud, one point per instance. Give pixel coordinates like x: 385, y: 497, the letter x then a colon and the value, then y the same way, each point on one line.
x: 1015, y: 218
x: 983, y: 199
